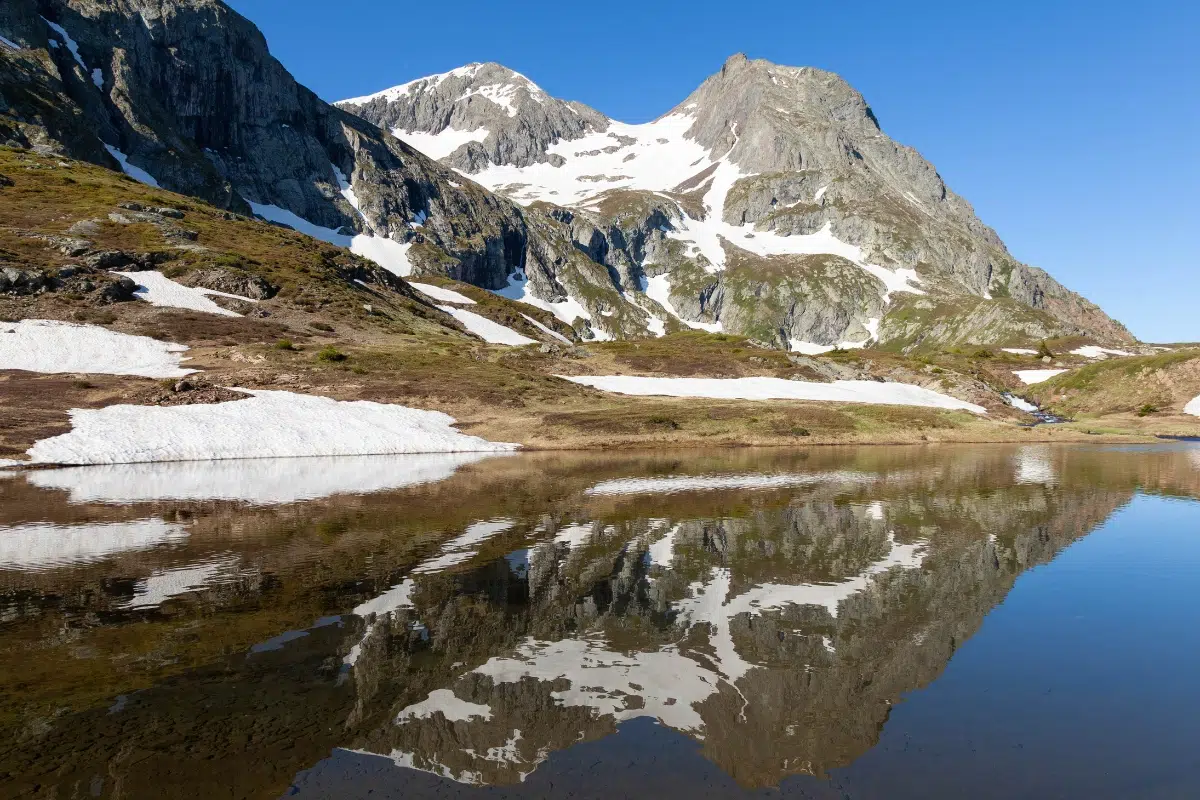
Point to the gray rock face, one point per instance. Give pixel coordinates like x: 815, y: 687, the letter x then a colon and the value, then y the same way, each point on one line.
x: 507, y: 117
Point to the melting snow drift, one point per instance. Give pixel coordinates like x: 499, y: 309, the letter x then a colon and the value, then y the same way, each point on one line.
x: 442, y: 295
x: 1031, y: 376
x: 42, y: 345
x: 159, y: 290
x: 776, y: 389
x: 484, y: 328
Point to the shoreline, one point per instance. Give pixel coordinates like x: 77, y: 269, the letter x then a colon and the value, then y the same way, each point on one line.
x: 634, y: 447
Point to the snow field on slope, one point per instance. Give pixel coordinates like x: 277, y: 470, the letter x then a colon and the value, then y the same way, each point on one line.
x: 159, y: 290
x: 49, y: 346
x: 439, y: 145
x: 776, y: 389
x: 1093, y: 351
x: 545, y: 330
x: 427, y: 82
x: 440, y: 294
x: 484, y: 328
x: 664, y: 158
x: 387, y: 253
x: 566, y: 311
x: 72, y: 45
x: 1193, y: 407
x: 658, y: 289
x: 1031, y: 376
x: 268, y: 424
x: 137, y: 173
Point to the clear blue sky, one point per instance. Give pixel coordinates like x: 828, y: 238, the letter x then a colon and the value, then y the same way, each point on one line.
x: 1071, y: 126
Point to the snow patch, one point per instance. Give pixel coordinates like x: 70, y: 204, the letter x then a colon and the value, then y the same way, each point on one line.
x: 137, y: 173
x: 1093, y: 351
x: 567, y: 310
x: 1032, y: 376
x: 269, y: 424
x: 386, y: 252
x: 1193, y: 407
x: 48, y: 346
x: 441, y: 144
x: 546, y: 330
x: 1020, y: 403
x: 1021, y: 351
x: 443, y: 295
x: 159, y: 290
x: 98, y: 77
x: 484, y: 328
x: 761, y: 388
x: 808, y: 348
x: 347, y: 191
x: 72, y: 45
x: 658, y: 289
x: 9, y: 43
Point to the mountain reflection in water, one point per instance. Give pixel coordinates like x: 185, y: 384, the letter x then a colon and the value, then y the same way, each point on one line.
x: 735, y: 619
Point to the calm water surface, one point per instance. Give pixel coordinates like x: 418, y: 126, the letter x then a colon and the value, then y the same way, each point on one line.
x: 986, y: 622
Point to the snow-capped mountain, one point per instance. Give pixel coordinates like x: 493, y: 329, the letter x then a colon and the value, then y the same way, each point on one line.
x: 768, y: 203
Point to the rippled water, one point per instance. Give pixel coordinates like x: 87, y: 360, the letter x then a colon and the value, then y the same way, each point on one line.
x: 985, y: 621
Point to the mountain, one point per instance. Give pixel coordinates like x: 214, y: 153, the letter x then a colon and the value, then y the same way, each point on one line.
x: 187, y: 96
x: 769, y: 203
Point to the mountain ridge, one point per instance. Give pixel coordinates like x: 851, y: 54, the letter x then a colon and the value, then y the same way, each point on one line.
x: 775, y: 208
x: 791, y: 155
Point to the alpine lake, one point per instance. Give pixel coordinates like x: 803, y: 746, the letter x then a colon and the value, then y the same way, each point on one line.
x: 983, y: 621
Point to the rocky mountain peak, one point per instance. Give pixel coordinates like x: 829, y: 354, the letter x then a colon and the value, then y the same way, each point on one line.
x: 775, y: 112
x: 477, y: 115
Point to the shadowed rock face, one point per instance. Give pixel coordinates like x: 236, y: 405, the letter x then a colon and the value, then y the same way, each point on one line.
x: 547, y: 594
